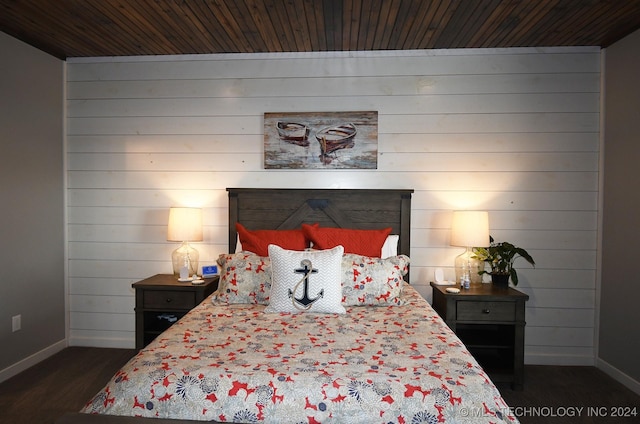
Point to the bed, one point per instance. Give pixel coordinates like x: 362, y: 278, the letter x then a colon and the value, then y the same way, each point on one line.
x: 379, y: 353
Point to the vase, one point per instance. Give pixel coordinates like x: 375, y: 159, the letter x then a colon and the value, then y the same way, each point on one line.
x: 500, y: 280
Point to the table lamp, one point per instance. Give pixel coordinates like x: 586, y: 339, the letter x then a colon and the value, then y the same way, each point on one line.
x: 469, y: 229
x: 185, y: 225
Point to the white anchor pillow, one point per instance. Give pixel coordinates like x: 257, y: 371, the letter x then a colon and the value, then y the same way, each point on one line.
x: 305, y: 281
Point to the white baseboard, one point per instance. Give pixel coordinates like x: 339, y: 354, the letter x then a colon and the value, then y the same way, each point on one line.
x: 618, y: 375
x: 116, y: 343
x: 543, y: 359
x: 30, y: 361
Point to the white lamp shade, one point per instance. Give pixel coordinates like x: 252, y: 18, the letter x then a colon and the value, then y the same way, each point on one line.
x: 470, y: 229
x: 185, y: 224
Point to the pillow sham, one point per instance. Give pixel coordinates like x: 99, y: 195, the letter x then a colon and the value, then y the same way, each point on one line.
x: 258, y: 241
x: 389, y: 248
x: 373, y: 281
x: 244, y: 278
x: 305, y: 281
x: 361, y: 242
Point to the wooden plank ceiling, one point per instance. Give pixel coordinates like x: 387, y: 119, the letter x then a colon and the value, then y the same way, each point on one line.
x: 77, y: 28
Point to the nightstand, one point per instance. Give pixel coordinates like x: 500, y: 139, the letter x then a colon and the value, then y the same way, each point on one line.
x: 490, y: 321
x: 161, y: 300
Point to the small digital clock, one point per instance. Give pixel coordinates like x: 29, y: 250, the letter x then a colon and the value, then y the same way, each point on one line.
x: 209, y: 271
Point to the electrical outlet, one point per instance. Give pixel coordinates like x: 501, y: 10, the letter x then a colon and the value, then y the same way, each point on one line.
x: 16, y: 323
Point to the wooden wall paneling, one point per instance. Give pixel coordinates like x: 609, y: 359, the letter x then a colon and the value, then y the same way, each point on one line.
x: 171, y: 143
x: 432, y: 183
x: 101, y: 321
x: 558, y: 336
x: 408, y: 104
x: 443, y: 162
x: 141, y: 216
x: 115, y: 269
x: 552, y: 83
x: 512, y: 131
x: 121, y: 250
x: 340, y: 64
x: 100, y: 286
x: 102, y: 338
x: 570, y: 317
x: 559, y: 355
x: 469, y: 123
x: 107, y: 304
x: 560, y: 297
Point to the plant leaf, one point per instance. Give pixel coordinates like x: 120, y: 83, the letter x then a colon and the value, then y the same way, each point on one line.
x: 525, y: 255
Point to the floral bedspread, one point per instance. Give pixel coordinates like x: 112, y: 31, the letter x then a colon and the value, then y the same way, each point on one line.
x: 234, y: 363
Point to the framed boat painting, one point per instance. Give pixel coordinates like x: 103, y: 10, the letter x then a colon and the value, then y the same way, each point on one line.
x: 321, y: 140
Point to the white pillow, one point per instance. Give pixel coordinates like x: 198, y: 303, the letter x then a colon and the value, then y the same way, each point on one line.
x: 390, y: 246
x: 293, y: 290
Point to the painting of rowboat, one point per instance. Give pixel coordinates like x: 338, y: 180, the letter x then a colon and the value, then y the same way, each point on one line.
x: 336, y: 137
x: 293, y: 132
x: 321, y: 140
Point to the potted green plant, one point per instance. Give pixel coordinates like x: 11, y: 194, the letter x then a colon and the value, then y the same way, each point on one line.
x: 501, y: 257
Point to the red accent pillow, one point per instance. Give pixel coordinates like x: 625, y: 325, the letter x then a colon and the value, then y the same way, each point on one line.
x: 361, y: 242
x: 258, y: 241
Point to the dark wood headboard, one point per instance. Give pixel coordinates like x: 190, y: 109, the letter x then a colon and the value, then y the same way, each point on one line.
x: 288, y: 208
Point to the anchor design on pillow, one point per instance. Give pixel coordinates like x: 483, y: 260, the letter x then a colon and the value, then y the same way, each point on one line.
x: 305, y: 300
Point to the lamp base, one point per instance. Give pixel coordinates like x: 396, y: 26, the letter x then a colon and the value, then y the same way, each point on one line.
x: 466, y: 266
x: 185, y: 261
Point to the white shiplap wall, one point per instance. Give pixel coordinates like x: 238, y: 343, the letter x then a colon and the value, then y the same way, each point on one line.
x: 511, y: 131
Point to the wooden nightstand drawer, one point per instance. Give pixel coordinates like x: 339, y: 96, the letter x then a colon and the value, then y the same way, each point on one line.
x: 161, y: 300
x: 169, y: 299
x: 486, y: 311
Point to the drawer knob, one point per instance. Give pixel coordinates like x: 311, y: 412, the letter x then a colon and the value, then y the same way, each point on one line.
x: 168, y: 300
x: 485, y: 311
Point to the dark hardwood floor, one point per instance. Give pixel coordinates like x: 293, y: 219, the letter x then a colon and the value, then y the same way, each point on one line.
x: 62, y: 383
x: 552, y: 394
x: 571, y: 394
